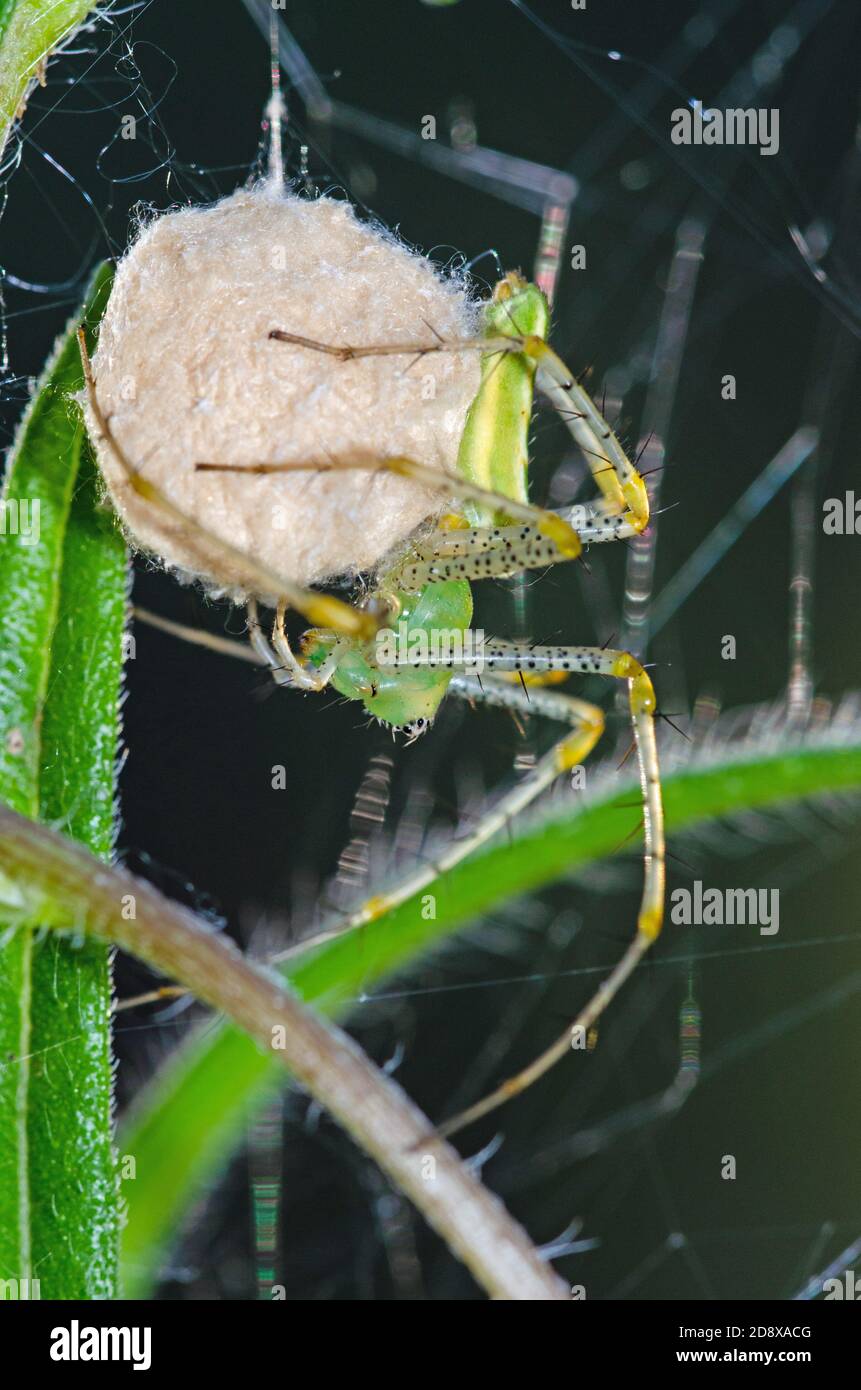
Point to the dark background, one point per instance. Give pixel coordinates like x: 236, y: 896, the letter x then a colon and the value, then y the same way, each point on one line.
x: 780, y: 1056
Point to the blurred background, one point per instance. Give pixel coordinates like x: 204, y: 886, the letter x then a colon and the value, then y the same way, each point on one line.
x: 699, y: 263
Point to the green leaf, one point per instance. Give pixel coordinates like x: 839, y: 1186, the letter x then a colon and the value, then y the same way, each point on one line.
x: 63, y: 598
x: 29, y: 31
x: 182, y: 1127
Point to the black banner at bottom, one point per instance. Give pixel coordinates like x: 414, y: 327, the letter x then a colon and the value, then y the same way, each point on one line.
x: 59, y: 1340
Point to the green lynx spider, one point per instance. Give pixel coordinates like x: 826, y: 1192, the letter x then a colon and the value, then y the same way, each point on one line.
x: 496, y: 532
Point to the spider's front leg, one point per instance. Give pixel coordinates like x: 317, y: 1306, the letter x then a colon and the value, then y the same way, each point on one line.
x: 284, y: 666
x: 323, y: 610
x: 622, y: 488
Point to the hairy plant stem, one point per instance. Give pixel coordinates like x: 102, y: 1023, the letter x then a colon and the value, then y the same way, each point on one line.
x: 58, y: 884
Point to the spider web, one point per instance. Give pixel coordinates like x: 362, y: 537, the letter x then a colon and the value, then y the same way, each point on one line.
x: 698, y: 264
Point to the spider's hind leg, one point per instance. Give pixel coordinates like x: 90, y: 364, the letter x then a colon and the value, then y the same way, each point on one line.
x: 540, y: 661
x: 537, y: 662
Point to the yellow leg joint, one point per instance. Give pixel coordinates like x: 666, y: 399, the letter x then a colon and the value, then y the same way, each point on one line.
x: 637, y: 501
x: 642, y: 691
x: 329, y: 612
x: 577, y: 746
x: 642, y: 694
x: 563, y: 536
x: 536, y: 678
x: 144, y: 488
x: 626, y: 666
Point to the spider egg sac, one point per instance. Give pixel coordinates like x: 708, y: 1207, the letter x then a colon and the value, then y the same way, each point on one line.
x: 186, y: 373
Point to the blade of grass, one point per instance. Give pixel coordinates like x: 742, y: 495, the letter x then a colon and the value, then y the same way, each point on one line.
x: 62, y: 613
x: 183, y: 1124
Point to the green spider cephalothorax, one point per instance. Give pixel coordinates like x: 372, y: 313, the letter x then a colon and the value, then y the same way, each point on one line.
x: 399, y: 695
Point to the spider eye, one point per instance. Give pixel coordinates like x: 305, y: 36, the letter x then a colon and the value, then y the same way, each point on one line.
x: 417, y: 727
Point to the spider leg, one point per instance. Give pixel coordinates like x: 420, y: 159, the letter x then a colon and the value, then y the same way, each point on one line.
x: 286, y: 669
x: 494, y: 552
x: 508, y: 657
x: 538, y: 661
x: 578, y: 1028
x: 302, y: 674
x: 541, y: 660
x: 586, y: 723
x: 621, y: 485
x: 622, y: 488
x: 266, y: 654
x: 549, y: 525
x: 322, y: 610
x: 225, y: 646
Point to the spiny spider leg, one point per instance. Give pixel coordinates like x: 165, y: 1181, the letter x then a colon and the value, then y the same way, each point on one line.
x: 592, y: 521
x: 587, y: 725
x: 512, y: 657
x: 486, y: 552
x: 505, y: 657
x: 620, y: 484
x: 322, y: 610
x: 549, y: 525
x: 578, y: 1028
x: 478, y: 553
x: 286, y: 670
